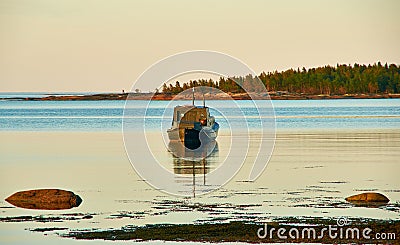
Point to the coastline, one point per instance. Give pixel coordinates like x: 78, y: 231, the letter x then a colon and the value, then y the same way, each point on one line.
x: 240, y: 96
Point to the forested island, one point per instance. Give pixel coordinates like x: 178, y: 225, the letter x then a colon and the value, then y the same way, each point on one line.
x: 339, y: 80
x: 327, y: 82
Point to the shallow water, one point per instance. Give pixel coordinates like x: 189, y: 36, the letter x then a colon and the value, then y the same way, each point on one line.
x: 309, y: 174
x: 311, y: 171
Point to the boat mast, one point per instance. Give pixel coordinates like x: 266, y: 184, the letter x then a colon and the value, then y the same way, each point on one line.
x: 193, y: 96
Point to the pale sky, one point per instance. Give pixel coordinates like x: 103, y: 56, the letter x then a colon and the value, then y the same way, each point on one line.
x: 104, y: 45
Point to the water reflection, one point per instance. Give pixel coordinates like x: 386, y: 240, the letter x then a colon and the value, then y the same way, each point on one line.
x: 195, y: 163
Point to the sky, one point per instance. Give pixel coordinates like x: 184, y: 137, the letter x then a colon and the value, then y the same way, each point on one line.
x: 104, y: 46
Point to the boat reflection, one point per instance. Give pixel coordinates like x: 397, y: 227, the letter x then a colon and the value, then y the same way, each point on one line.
x: 198, y: 162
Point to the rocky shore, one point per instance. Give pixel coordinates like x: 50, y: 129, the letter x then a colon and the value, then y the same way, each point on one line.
x: 275, y: 229
x: 237, y: 96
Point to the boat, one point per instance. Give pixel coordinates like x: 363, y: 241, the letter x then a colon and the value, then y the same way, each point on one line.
x: 193, y: 125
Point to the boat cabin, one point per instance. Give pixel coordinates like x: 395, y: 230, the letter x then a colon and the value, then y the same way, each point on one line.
x: 191, y: 117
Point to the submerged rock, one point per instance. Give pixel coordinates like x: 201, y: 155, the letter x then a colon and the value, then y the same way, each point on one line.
x: 50, y: 199
x: 368, y: 199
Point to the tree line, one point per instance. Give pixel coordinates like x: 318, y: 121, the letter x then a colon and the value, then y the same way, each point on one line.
x: 334, y: 80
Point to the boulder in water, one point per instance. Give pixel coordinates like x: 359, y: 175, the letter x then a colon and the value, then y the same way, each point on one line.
x: 49, y: 199
x: 368, y: 199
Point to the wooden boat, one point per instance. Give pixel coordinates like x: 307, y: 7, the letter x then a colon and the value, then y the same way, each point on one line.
x: 192, y: 125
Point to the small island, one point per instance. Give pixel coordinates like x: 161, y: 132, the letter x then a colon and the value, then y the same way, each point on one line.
x: 238, y: 96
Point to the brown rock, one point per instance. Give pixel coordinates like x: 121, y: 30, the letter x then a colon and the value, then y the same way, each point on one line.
x: 50, y: 199
x: 368, y: 198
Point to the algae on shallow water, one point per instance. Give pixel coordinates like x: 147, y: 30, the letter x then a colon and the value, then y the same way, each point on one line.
x: 241, y: 231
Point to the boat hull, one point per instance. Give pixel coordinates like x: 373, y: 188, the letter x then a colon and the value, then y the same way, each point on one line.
x: 193, y: 136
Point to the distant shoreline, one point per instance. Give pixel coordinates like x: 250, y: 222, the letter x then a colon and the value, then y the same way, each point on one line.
x: 167, y: 97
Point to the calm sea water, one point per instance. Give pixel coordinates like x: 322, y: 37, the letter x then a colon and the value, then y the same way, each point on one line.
x: 309, y: 174
x: 107, y: 115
